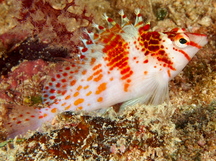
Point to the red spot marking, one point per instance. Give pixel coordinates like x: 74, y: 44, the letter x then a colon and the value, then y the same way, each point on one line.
x: 50, y: 84
x: 144, y: 28
x: 125, y: 70
x: 128, y: 80
x: 134, y: 58
x: 19, y: 122
x: 32, y: 116
x: 58, y: 85
x: 153, y: 48
x: 53, y: 79
x: 161, y: 52
x: 65, y: 74
x: 58, y: 75
x: 89, y: 42
x: 63, y: 92
x: 52, y: 97
x: 101, y: 27
x: 67, y: 68
x: 27, y: 112
x: 127, y: 75
x: 27, y: 119
x: 145, y: 61
x: 46, y: 87
x: 63, y: 80
x: 84, y: 50
x: 40, y: 117
x: 14, y: 118
x: 154, y: 42
x: 147, y: 53
x: 21, y: 115
x: 109, y: 19
x: 52, y: 91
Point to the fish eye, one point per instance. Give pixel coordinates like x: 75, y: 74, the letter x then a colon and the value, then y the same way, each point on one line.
x: 181, y: 41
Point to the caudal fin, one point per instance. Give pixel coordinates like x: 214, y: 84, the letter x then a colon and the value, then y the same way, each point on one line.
x: 18, y: 120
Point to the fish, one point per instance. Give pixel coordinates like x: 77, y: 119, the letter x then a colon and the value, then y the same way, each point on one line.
x: 123, y: 63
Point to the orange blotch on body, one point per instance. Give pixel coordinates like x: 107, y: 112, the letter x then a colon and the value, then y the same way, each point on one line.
x: 76, y: 94
x: 102, y: 87
x: 68, y: 107
x: 54, y: 110
x: 89, y: 78
x: 78, y: 101
x: 100, y: 99
x: 79, y: 88
x: 67, y: 97
x: 96, y: 67
x: 72, y: 82
x: 63, y: 104
x: 92, y: 61
x: 126, y: 86
x: 84, y: 72
x: 145, y: 72
x: 86, y: 87
x: 98, y: 78
x: 79, y: 108
x: 89, y: 93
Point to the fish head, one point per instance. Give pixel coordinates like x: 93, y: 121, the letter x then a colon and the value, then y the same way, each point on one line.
x: 181, y: 46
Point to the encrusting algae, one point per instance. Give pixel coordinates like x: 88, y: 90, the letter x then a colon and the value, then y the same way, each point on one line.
x: 141, y: 132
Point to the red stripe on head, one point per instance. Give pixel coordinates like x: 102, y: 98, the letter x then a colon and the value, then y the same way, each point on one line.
x: 191, y: 43
x: 185, y: 54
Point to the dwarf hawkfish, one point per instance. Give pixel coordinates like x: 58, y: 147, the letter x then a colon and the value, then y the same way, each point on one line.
x: 122, y: 63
